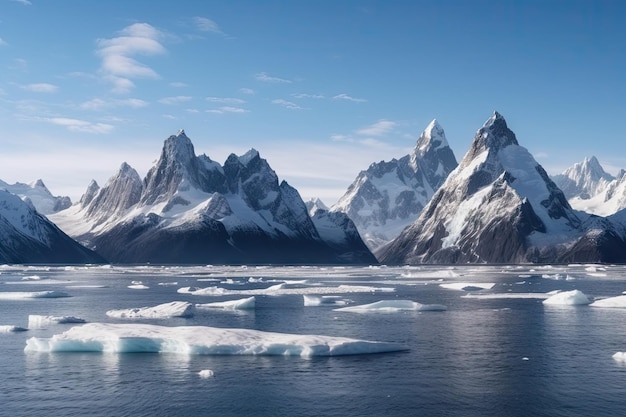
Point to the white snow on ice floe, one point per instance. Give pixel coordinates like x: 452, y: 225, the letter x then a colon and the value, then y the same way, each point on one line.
x: 241, y: 304
x: 620, y: 356
x: 568, y: 298
x: 7, y: 328
x: 20, y: 295
x: 201, y: 340
x: 509, y: 295
x: 611, y: 302
x: 36, y: 321
x: 468, y: 286
x: 281, y: 289
x: 393, y: 306
x: 206, y: 373
x: 324, y: 300
x: 161, y: 311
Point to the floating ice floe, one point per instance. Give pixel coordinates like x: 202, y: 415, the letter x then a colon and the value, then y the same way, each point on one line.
x: 620, y: 356
x: 7, y: 328
x: 468, y: 286
x: 323, y: 300
x: 138, y: 285
x: 568, y: 298
x: 206, y: 373
x: 161, y: 311
x: 509, y: 295
x: 393, y: 306
x: 611, y: 302
x: 36, y: 321
x: 286, y: 289
x: 241, y: 304
x: 20, y: 295
x: 201, y: 340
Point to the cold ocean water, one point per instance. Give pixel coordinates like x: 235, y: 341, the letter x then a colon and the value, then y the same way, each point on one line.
x: 496, y: 350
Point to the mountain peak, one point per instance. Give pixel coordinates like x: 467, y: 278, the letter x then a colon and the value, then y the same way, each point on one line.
x: 494, y: 135
x: 249, y: 156
x: 181, y: 132
x: 433, y: 137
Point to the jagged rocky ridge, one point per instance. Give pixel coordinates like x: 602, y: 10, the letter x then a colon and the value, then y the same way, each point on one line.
x: 388, y: 196
x: 500, y: 206
x: 27, y: 237
x: 190, y: 209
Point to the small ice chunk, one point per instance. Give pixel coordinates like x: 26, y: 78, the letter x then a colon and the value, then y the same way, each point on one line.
x: 206, y: 373
x: 393, y: 306
x: 568, y: 298
x: 7, y: 328
x: 468, y: 286
x: 138, y: 287
x: 611, y: 302
x: 242, y: 304
x: 318, y: 300
x: 36, y: 321
x: 620, y: 356
x: 161, y: 311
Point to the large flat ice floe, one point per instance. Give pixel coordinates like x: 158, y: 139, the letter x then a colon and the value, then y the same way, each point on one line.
x: 241, y: 304
x: 161, y: 311
x: 611, y: 302
x: 201, y: 340
x: 36, y: 321
x: 392, y: 306
x: 21, y: 295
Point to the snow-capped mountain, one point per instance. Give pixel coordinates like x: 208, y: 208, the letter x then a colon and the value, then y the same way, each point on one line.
x: 190, y: 209
x: 591, y: 189
x: 39, y: 195
x: 27, y: 237
x: 500, y: 206
x: 388, y: 196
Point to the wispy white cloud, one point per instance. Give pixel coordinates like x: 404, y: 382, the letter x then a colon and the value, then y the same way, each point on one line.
x: 379, y: 128
x: 118, y: 63
x: 247, y: 91
x: 227, y: 109
x: 100, y: 104
x: 24, y: 2
x: 77, y: 125
x: 19, y: 64
x: 287, y: 104
x: 346, y: 97
x: 3, y: 42
x: 262, y: 76
x: 178, y: 84
x: 304, y: 95
x: 225, y: 100
x: 204, y: 24
x: 41, y: 88
x: 175, y: 100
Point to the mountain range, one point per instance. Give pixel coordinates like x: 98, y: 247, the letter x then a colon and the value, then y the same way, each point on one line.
x: 500, y: 206
x: 190, y: 209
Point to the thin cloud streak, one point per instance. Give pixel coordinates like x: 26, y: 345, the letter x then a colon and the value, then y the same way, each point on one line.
x: 41, y: 88
x: 346, y: 97
x: 262, y: 76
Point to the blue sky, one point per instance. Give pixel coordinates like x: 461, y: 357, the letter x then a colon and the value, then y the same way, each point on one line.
x: 320, y: 88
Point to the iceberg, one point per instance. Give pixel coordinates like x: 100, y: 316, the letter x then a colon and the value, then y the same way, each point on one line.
x: 568, y: 298
x: 161, y: 311
x: 201, y: 340
x: 20, y: 295
x: 41, y: 322
x: 611, y: 302
x: 319, y: 300
x: 206, y: 373
x: 242, y: 304
x: 393, y: 306
x: 620, y: 356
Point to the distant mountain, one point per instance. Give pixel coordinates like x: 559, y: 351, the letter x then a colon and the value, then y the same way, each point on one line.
x: 27, y: 237
x: 39, y: 195
x: 591, y: 189
x: 388, y: 196
x: 500, y: 206
x: 190, y: 209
